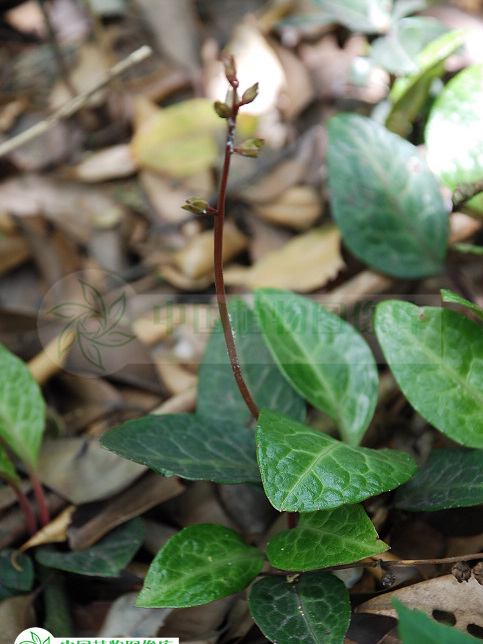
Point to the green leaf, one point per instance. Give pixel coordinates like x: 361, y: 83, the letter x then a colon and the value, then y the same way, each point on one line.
x: 454, y: 298
x: 7, y: 470
x: 366, y: 16
x: 313, y: 608
x: 18, y: 578
x: 199, y: 564
x: 415, y: 626
x: 22, y: 408
x: 436, y: 357
x: 104, y: 559
x: 324, y: 357
x: 325, y: 538
x: 398, y: 50
x: 188, y: 445
x: 305, y: 470
x: 450, y: 478
x: 218, y: 394
x: 408, y: 95
x: 454, y: 132
x: 393, y: 216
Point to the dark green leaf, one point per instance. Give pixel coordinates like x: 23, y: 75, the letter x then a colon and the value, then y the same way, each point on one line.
x: 436, y: 357
x: 305, y: 470
x: 312, y: 609
x: 325, y: 538
x: 105, y: 559
x: 16, y: 578
x: 367, y: 16
x: 450, y: 478
x: 415, y: 626
x: 454, y: 136
x: 393, y: 216
x: 218, y: 394
x: 324, y: 357
x: 188, y: 445
x: 198, y: 565
x: 22, y: 408
x: 408, y: 95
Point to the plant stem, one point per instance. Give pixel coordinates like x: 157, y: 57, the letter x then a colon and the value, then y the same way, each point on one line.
x: 26, y: 509
x: 40, y: 498
x: 218, y: 258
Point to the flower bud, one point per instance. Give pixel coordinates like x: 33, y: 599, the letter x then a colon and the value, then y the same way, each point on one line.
x: 251, y: 147
x: 230, y: 68
x: 250, y: 94
x: 198, y: 206
x: 222, y: 109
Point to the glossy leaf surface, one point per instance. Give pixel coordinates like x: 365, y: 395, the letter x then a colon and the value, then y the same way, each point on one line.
x: 22, y: 408
x: 450, y: 478
x: 305, y: 470
x: 385, y: 200
x: 197, y: 565
x: 105, y: 558
x: 218, y: 394
x: 188, y: 445
x: 313, y: 608
x: 436, y: 356
x: 324, y: 357
x: 454, y: 132
x: 454, y: 298
x: 325, y: 538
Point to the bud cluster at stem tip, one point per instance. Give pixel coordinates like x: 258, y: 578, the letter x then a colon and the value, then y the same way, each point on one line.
x: 198, y: 206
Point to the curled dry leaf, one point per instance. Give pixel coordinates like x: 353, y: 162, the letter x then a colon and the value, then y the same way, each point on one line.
x: 305, y: 263
x: 196, y: 259
x: 53, y: 532
x: 298, y: 207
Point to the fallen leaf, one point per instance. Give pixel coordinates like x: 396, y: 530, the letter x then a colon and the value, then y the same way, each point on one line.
x: 53, y: 532
x: 72, y: 467
x: 196, y: 259
x: 124, y: 619
x: 180, y: 139
x: 298, y: 207
x: 443, y: 594
x: 110, y: 163
x: 16, y: 615
x: 91, y: 522
x: 305, y: 263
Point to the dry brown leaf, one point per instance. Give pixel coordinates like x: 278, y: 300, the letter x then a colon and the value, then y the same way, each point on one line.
x: 196, y: 259
x: 125, y: 619
x: 14, y: 251
x: 111, y: 163
x: 198, y: 624
x: 53, y: 532
x: 444, y: 594
x: 16, y: 615
x: 298, y: 207
x: 256, y: 62
x: 10, y: 111
x: 175, y: 377
x: 91, y: 522
x: 71, y: 467
x: 299, y: 90
x: 305, y: 263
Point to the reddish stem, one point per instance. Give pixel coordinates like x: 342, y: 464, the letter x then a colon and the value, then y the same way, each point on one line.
x: 40, y: 498
x: 26, y: 509
x: 218, y: 257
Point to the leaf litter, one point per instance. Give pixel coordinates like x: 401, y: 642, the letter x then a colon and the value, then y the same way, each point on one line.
x: 100, y: 194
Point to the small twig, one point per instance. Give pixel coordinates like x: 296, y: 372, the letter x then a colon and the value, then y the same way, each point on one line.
x: 76, y: 103
x: 464, y: 192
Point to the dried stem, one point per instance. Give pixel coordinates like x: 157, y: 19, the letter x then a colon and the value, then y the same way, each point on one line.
x: 218, y: 255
